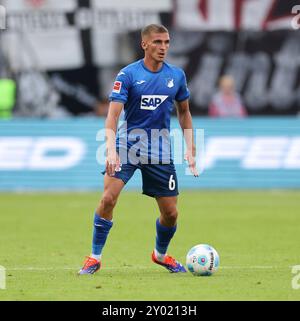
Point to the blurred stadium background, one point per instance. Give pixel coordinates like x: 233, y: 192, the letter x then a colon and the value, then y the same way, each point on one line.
x: 58, y: 60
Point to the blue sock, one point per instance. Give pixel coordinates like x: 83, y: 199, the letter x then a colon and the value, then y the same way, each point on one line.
x: 101, y: 230
x: 163, y: 237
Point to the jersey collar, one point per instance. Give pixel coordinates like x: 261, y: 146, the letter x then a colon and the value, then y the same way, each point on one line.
x: 153, y: 72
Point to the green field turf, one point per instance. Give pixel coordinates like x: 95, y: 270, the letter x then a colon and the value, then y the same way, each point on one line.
x: 44, y: 238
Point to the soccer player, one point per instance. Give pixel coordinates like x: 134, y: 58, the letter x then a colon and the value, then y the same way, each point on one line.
x: 146, y: 90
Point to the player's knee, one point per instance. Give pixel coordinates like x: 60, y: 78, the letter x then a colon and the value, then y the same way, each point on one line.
x: 108, y: 201
x: 171, y: 215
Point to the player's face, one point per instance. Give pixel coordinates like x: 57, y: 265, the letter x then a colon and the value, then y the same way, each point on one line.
x: 156, y: 46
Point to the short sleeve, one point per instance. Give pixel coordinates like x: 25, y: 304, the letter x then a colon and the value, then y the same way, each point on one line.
x: 183, y: 92
x: 120, y: 88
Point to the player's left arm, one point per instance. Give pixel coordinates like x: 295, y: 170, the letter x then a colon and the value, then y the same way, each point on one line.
x: 186, y: 124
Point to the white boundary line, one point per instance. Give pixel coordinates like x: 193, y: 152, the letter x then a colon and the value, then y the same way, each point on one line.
x: 235, y: 267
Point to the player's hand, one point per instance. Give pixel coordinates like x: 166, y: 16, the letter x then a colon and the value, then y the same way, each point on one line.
x: 112, y: 163
x: 190, y: 158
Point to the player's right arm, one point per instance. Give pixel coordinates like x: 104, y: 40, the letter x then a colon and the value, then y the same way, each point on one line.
x: 118, y: 99
x: 111, y: 123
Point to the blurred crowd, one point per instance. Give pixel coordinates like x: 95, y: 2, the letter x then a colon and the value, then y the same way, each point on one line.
x: 226, y: 102
x: 8, y: 90
x: 60, y: 58
x: 35, y: 93
x: 40, y: 99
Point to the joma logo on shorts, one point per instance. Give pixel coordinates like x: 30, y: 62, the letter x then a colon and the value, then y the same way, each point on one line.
x: 151, y: 102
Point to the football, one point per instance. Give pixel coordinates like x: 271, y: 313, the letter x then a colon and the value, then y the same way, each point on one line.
x: 202, y: 260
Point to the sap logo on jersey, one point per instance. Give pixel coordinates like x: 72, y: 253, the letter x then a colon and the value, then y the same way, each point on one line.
x: 151, y: 102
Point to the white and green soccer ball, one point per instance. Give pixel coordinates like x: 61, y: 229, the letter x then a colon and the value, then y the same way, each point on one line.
x: 202, y: 260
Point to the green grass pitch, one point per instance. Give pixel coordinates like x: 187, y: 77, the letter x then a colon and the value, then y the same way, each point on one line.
x: 44, y: 238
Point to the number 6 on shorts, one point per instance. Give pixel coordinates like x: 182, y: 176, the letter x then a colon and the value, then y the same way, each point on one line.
x: 172, y: 183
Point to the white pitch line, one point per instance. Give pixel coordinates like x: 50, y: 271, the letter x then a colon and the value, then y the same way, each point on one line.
x: 39, y: 269
x: 255, y: 267
x: 235, y: 267
x: 71, y: 268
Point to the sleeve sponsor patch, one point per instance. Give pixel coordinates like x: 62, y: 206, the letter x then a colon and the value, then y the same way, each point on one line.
x: 117, y: 87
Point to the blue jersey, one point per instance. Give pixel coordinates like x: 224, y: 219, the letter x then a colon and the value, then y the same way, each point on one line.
x: 148, y: 99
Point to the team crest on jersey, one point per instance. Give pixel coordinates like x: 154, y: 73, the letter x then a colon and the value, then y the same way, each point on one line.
x: 117, y: 87
x: 170, y: 82
x: 151, y: 102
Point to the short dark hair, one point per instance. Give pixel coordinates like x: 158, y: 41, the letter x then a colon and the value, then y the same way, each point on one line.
x: 153, y: 28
